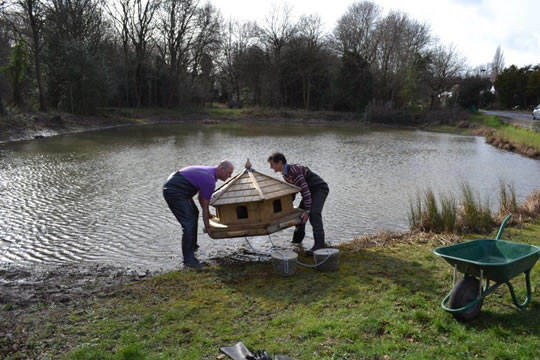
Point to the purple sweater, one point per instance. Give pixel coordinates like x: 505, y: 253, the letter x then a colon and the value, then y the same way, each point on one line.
x: 202, y: 177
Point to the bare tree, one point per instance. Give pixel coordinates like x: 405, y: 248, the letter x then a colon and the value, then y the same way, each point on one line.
x: 31, y: 14
x: 355, y: 30
x: 236, y: 39
x: 311, y: 38
x: 177, y: 30
x: 5, y: 54
x: 73, y: 35
x: 445, y: 66
x: 277, y: 31
x: 134, y: 20
x: 78, y: 19
x: 119, y: 12
x: 482, y: 71
x: 400, y: 39
x: 497, y: 65
x: 206, y: 40
x: 189, y: 38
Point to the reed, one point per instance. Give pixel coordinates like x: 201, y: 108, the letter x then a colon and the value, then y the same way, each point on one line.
x: 443, y: 215
x: 531, y: 206
x: 415, y: 212
x: 474, y: 216
x: 448, y: 213
x: 431, y: 215
x: 507, y: 199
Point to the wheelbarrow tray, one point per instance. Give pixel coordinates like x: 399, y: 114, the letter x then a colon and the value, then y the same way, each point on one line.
x: 499, y: 260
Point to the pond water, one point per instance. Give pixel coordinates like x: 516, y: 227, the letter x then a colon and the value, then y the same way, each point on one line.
x: 96, y: 197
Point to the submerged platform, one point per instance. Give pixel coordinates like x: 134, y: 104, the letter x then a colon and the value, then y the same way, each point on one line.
x: 221, y: 231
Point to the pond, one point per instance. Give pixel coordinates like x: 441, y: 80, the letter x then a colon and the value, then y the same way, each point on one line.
x: 96, y: 197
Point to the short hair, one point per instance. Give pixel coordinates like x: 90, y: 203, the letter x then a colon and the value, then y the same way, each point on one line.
x: 226, y: 164
x: 276, y: 157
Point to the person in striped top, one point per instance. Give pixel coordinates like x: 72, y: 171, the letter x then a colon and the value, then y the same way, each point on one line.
x: 314, y: 191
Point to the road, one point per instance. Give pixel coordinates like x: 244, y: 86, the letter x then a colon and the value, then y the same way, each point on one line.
x: 518, y: 118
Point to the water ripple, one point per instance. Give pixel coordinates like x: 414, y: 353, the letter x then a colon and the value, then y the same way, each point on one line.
x: 96, y: 197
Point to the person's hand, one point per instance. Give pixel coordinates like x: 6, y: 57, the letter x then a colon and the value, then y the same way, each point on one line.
x: 305, y: 217
x: 208, y: 230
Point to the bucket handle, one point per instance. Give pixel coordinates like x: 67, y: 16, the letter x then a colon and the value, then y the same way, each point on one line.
x: 503, y: 225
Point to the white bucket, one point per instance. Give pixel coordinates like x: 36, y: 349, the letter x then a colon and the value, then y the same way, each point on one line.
x: 328, y: 258
x: 284, y: 262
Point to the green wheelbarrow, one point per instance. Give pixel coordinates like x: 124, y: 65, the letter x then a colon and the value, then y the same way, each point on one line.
x: 490, y: 260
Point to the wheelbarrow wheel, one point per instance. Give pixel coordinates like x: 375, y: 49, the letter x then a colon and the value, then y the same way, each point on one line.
x: 465, y: 291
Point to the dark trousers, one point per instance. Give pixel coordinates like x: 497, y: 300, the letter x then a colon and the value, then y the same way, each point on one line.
x: 318, y: 197
x: 178, y: 193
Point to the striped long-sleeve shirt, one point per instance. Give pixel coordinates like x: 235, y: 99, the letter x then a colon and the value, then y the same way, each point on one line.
x: 295, y: 174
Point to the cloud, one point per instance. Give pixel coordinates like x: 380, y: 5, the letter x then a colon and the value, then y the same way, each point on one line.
x: 469, y: 2
x: 476, y: 27
x: 523, y: 42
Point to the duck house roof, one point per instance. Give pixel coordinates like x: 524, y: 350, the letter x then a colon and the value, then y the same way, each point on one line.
x: 251, y: 185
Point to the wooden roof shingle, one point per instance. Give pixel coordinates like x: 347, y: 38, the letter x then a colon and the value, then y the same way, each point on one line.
x: 251, y: 185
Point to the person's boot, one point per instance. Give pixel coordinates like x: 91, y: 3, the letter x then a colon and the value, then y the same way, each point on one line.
x: 319, y: 242
x: 194, y: 263
x: 298, y: 235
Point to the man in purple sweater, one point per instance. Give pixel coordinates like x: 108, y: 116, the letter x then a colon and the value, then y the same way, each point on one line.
x: 179, y: 190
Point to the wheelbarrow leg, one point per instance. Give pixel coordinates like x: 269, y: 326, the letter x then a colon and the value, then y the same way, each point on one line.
x: 528, y: 299
x: 480, y: 283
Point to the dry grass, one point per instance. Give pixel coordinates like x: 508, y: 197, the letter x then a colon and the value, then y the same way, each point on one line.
x: 474, y: 215
x: 387, y: 238
x: 443, y: 215
x: 527, y: 211
x: 531, y: 206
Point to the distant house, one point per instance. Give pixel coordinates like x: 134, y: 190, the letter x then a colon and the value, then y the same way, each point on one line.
x: 445, y: 96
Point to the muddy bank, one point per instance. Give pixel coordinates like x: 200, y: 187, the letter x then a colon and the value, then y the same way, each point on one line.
x: 27, y: 126
x: 23, y: 286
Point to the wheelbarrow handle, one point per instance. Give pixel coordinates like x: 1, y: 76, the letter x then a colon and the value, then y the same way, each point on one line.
x: 503, y: 225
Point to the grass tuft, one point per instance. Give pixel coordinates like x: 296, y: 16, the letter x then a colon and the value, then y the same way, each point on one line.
x: 531, y: 206
x: 474, y: 215
x: 443, y: 215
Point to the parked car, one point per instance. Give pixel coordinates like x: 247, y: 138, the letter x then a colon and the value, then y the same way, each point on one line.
x: 536, y: 113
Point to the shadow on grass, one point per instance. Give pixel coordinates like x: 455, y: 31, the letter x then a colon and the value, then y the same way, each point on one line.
x: 507, y: 318
x: 365, y: 269
x: 413, y: 276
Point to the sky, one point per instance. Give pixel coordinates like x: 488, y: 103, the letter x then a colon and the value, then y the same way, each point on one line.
x: 475, y: 27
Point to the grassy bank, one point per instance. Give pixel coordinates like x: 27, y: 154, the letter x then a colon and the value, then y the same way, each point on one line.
x: 382, y: 304
x: 504, y: 135
x: 497, y: 133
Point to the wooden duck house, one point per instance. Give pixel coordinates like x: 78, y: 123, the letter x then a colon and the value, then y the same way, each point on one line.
x: 252, y: 204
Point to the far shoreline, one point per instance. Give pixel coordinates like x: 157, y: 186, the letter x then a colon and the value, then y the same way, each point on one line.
x: 30, y: 126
